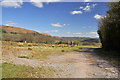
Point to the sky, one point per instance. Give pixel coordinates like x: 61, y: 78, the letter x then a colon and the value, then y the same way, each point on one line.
x: 63, y: 19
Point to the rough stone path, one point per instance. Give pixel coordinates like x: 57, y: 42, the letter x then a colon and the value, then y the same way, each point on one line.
x: 81, y: 64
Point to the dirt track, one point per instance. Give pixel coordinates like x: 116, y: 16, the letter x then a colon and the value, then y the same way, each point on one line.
x: 81, y: 64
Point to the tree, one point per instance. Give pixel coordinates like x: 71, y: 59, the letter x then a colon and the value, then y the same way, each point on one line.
x: 76, y: 42
x: 109, y: 27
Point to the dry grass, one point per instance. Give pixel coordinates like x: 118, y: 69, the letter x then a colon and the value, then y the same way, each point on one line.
x: 35, y: 51
x: 39, y: 51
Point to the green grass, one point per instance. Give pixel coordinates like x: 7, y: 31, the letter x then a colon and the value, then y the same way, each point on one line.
x: 41, y: 52
x: 112, y: 56
x: 19, y: 71
x: 9, y: 43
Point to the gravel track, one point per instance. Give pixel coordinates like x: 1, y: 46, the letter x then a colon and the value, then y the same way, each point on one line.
x: 81, y: 64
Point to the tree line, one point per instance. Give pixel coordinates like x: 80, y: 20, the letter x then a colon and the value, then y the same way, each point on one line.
x: 109, y: 27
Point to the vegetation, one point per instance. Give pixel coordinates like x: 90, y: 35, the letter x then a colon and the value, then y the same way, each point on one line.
x: 81, y: 39
x: 34, y: 51
x: 38, y: 51
x: 111, y: 56
x: 20, y: 71
x: 16, y: 34
x: 109, y: 28
x: 23, y: 44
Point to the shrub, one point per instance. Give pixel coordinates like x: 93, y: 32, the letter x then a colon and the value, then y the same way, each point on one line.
x: 62, y: 50
x: 29, y: 49
x: 29, y: 44
x: 20, y: 44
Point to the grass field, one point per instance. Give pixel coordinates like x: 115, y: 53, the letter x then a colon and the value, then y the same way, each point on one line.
x: 20, y: 71
x: 38, y: 51
x: 33, y: 52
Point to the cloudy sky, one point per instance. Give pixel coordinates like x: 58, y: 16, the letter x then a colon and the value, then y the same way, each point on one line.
x: 64, y: 19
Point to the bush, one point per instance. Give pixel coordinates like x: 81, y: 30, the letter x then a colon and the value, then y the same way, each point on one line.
x: 29, y: 49
x: 62, y: 50
x: 29, y: 44
x: 20, y: 44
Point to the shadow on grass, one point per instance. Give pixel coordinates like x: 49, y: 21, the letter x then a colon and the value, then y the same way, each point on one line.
x: 87, y: 50
x: 111, y: 56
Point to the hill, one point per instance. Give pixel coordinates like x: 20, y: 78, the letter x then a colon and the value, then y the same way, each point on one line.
x: 81, y: 39
x: 10, y: 33
x: 17, y: 30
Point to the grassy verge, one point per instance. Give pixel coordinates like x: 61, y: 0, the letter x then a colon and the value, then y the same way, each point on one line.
x: 112, y: 56
x: 38, y: 51
x: 19, y: 71
x: 41, y: 52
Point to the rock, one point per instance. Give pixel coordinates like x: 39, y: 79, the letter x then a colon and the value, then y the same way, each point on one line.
x: 94, y: 73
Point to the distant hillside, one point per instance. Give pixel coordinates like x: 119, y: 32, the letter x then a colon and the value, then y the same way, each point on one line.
x: 17, y: 30
x: 81, y: 39
x: 10, y: 33
x: 17, y: 34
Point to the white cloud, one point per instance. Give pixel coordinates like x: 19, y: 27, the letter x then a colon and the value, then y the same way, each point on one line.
x: 10, y: 23
x: 93, y: 32
x: 39, y: 3
x: 87, y: 8
x: 64, y: 24
x: 18, y: 3
x: 77, y: 33
x: 97, y: 16
x: 11, y: 3
x: 58, y: 25
x: 45, y: 0
x: 87, y: 0
x: 54, y: 31
x: 76, y: 12
x: 93, y: 5
x: 81, y: 7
